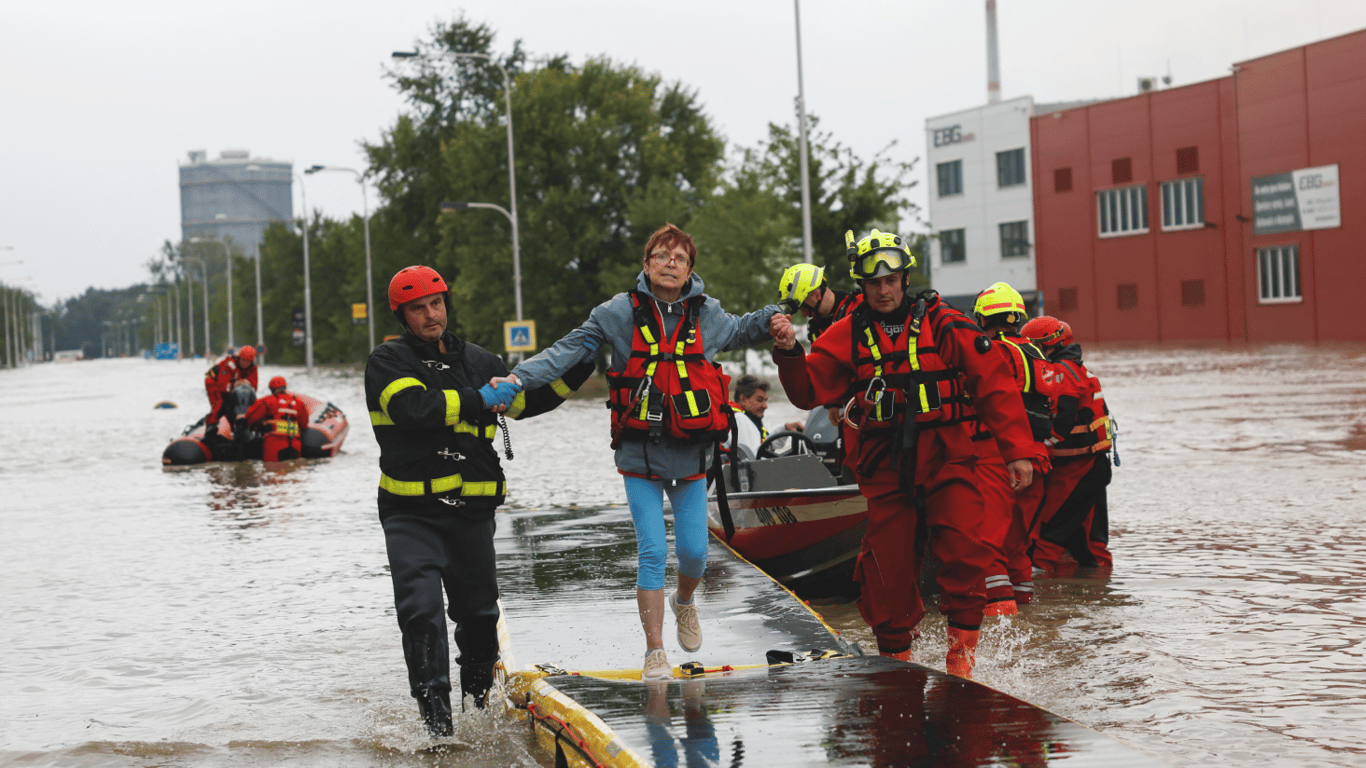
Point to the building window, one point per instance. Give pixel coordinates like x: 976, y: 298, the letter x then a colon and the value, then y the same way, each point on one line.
x: 1062, y: 179
x: 1123, y: 211
x: 950, y: 178
x: 1183, y: 203
x: 1127, y: 296
x: 953, y: 246
x: 1187, y: 160
x: 1010, y: 168
x: 1014, y: 238
x: 1067, y: 299
x: 1193, y: 293
x: 1278, y: 274
x: 1121, y: 170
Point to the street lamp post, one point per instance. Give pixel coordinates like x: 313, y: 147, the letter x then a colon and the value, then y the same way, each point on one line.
x: 801, y: 123
x: 228, y: 257
x: 512, y: 165
x: 203, y: 273
x: 450, y: 205
x: 308, y: 285
x: 369, y: 281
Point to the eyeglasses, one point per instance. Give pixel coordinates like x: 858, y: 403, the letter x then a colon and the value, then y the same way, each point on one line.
x: 868, y: 265
x: 668, y: 258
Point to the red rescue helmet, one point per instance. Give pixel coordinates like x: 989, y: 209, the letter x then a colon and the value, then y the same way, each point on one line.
x: 277, y: 383
x: 247, y: 354
x: 413, y: 283
x: 1047, y: 331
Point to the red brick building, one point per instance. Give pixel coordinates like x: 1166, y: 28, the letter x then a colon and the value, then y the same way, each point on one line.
x: 1233, y: 209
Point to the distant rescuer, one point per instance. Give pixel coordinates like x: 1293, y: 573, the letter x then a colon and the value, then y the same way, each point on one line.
x: 285, y: 418
x: 433, y: 410
x: 220, y: 380
x: 926, y: 386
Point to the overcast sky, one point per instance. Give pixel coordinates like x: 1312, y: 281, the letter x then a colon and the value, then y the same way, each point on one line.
x: 100, y: 101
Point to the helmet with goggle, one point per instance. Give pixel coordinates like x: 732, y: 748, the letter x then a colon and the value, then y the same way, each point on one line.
x: 798, y: 282
x: 877, y: 255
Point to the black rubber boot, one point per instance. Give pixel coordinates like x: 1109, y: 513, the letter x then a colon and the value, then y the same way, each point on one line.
x: 476, y: 680
x: 435, y: 706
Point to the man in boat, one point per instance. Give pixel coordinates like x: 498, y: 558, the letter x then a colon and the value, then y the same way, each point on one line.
x: 751, y: 400
x: 434, y: 409
x: 220, y: 380
x: 932, y: 400
x: 283, y: 417
x: 1000, y: 311
x: 1074, y: 518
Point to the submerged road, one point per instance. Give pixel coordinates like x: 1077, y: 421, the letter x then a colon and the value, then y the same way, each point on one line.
x: 238, y: 615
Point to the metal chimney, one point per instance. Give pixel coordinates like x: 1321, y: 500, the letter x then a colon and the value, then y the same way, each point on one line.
x: 993, y: 57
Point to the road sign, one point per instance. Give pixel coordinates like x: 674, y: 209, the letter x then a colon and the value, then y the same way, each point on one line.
x: 358, y: 314
x: 519, y: 335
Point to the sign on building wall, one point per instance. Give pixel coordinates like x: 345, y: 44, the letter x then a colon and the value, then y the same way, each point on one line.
x: 1305, y: 199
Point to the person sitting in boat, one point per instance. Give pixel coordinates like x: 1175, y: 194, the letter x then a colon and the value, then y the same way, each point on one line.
x: 283, y: 417
x: 220, y: 380
x: 669, y: 410
x: 751, y: 401
x: 926, y: 388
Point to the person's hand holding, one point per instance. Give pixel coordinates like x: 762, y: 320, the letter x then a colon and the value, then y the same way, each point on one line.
x: 498, y: 394
x: 794, y: 426
x: 780, y: 328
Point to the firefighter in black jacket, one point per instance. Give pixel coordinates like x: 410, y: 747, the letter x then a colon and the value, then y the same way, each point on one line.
x: 435, y: 410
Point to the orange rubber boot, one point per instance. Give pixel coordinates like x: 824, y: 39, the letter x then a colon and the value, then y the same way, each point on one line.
x: 902, y: 656
x: 962, y: 652
x: 1003, y: 607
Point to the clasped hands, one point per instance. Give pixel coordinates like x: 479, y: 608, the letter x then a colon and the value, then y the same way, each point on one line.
x: 781, y: 329
x: 499, y: 393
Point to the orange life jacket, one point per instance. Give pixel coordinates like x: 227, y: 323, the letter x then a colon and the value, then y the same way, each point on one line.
x: 1093, y: 432
x: 668, y: 386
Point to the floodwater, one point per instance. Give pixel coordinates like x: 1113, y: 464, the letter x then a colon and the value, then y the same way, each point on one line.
x: 241, y: 614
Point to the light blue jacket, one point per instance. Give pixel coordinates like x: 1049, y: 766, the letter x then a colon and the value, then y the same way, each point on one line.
x: 612, y: 322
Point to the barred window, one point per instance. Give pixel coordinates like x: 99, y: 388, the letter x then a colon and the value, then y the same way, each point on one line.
x: 953, y: 246
x: 1010, y: 168
x: 1127, y: 295
x: 1123, y: 211
x: 1014, y: 238
x: 950, y: 178
x: 1067, y: 300
x: 1183, y: 203
x: 1193, y: 293
x: 1278, y: 274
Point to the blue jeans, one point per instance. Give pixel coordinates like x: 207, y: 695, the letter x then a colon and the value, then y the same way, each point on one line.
x: 689, y: 499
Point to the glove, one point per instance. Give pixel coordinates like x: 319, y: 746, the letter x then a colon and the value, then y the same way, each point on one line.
x: 503, y: 395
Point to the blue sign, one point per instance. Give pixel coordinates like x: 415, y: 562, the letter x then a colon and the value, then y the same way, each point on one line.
x: 166, y: 351
x: 519, y: 335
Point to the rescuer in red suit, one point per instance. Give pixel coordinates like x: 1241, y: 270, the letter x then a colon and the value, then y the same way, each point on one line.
x: 1074, y: 518
x: 1000, y: 311
x: 285, y: 417
x: 222, y: 377
x: 923, y: 410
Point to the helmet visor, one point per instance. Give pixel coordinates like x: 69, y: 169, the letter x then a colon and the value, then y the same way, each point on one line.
x: 879, y: 263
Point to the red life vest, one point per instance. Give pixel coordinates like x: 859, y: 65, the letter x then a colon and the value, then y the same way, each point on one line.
x: 285, y: 415
x: 1035, y: 384
x: 1093, y: 432
x: 668, y: 387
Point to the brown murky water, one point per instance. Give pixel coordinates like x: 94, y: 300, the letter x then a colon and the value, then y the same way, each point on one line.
x: 237, y: 615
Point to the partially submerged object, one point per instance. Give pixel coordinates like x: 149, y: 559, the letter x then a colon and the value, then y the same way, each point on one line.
x: 232, y: 441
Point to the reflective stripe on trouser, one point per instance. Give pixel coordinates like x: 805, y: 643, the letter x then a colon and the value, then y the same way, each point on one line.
x: 1009, y: 519
x: 425, y: 553
x: 1072, y: 491
x: 888, y: 567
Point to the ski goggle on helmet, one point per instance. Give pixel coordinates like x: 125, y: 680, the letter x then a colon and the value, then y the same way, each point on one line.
x: 877, y: 255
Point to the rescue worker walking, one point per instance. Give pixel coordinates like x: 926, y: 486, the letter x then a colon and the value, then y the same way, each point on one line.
x: 1000, y: 311
x: 284, y: 417
x: 432, y: 405
x: 1074, y: 518
x: 669, y: 410
x: 924, y: 386
x: 220, y: 380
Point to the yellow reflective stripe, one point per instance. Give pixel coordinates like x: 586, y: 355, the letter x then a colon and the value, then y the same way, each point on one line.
x: 873, y: 349
x: 452, y: 406
x: 462, y: 428
x: 649, y: 337
x: 488, y: 488
x: 692, y: 403
x: 378, y: 419
x: 518, y: 405
x: 562, y: 389
x: 1028, y: 370
x: 444, y: 484
x: 401, y: 488
x: 393, y: 389
x: 924, y: 400
x: 678, y: 357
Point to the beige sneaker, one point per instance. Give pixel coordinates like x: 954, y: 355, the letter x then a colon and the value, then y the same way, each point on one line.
x: 656, y: 666
x: 689, y: 630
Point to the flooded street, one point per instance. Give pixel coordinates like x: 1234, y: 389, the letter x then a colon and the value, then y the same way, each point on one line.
x: 242, y: 615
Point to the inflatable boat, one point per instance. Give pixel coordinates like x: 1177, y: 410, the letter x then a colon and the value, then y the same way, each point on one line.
x: 232, y: 441
x: 796, y: 516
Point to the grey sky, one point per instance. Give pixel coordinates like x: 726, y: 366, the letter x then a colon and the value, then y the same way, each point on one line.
x: 101, y: 101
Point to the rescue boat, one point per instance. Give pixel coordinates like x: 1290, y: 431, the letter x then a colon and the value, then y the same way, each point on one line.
x: 322, y: 438
x: 796, y: 516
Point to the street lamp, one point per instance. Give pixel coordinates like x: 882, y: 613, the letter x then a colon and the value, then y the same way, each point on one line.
x: 308, y: 285
x: 227, y: 255
x: 369, y: 284
x: 204, y: 273
x: 512, y: 165
x: 451, y: 205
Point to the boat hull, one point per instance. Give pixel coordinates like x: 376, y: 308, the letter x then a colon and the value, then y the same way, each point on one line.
x: 323, y: 437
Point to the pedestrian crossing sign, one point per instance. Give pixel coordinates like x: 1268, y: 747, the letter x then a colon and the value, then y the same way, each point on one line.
x: 519, y: 335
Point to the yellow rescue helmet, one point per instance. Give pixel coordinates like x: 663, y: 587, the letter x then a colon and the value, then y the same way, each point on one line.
x: 998, y: 299
x: 877, y: 255
x: 799, y: 280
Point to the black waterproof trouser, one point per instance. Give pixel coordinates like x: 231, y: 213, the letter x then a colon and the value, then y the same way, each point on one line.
x: 1067, y: 528
x: 427, y: 554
